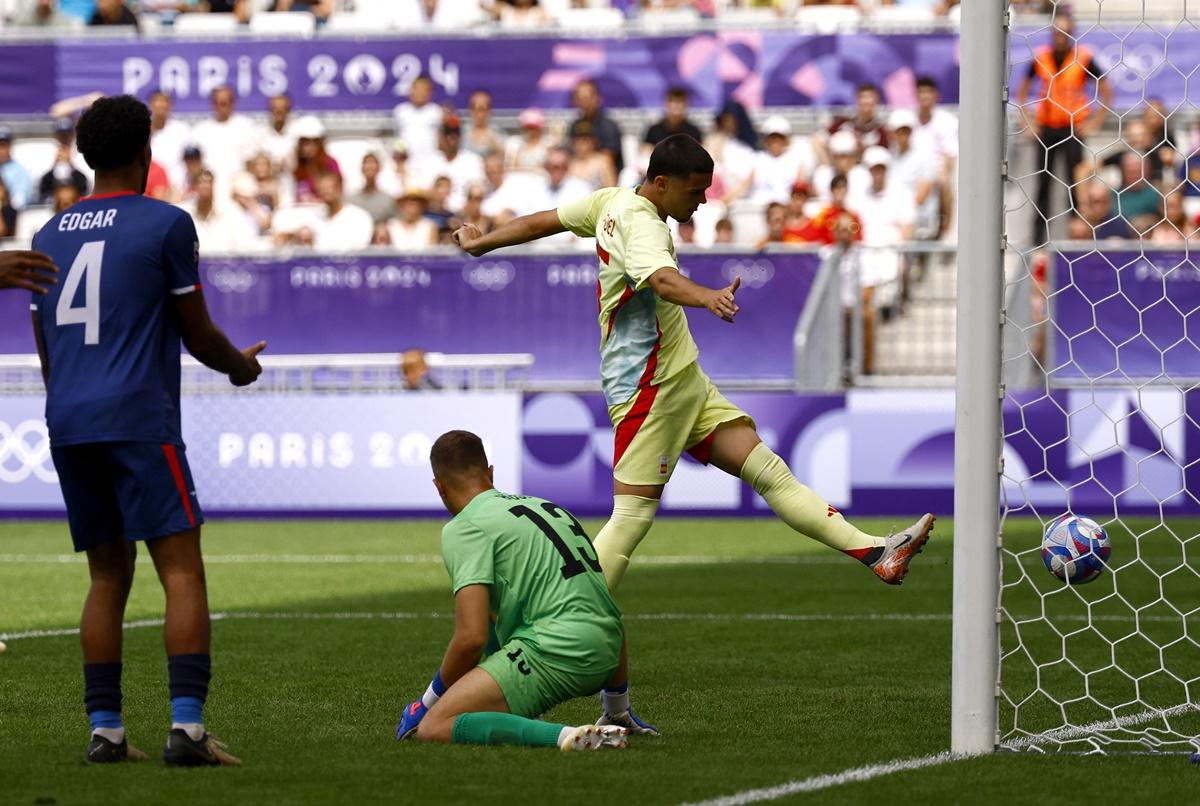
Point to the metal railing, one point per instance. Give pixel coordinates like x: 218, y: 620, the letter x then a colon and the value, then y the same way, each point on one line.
x: 345, y: 373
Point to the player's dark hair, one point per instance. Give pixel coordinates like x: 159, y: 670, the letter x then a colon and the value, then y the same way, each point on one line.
x: 677, y: 94
x: 113, y: 132
x: 839, y: 180
x: 458, y: 453
x: 679, y: 156
x: 867, y: 86
x: 926, y: 81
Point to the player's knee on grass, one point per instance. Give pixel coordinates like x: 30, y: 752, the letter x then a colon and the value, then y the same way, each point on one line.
x: 435, y: 728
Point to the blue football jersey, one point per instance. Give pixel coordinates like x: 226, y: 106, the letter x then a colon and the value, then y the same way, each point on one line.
x: 111, y: 340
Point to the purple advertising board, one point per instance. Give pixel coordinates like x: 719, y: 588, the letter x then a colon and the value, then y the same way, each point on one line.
x: 871, y: 452
x: 757, y: 68
x: 539, y: 304
x: 1120, y: 315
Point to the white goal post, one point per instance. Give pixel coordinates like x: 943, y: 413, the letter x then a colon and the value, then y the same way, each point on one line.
x: 974, y: 668
x: 1091, y: 318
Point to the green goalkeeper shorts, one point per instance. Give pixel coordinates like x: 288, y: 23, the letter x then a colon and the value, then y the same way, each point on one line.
x: 533, y: 682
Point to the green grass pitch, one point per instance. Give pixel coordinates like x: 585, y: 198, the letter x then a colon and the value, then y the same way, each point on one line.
x: 764, y: 658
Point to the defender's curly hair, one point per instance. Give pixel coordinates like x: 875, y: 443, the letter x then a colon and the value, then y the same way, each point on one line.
x: 113, y: 132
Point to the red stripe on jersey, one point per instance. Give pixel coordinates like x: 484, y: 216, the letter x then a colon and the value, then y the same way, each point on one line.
x: 604, y: 257
x: 180, y: 484
x: 109, y: 195
x: 626, y: 295
x: 632, y: 422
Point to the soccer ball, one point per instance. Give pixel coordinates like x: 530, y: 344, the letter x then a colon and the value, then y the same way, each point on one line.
x: 1075, y: 549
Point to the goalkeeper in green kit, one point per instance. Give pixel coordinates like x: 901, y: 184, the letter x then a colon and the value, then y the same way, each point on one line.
x: 529, y: 565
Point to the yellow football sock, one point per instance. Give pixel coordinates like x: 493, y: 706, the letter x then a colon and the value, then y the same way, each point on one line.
x: 632, y: 517
x: 801, y: 508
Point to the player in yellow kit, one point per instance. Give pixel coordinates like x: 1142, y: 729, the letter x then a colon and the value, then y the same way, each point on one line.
x: 661, y: 403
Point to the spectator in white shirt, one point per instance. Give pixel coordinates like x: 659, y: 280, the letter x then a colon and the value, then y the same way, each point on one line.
x: 479, y: 133
x: 343, y: 227
x: 419, y: 119
x: 559, y: 187
x: 887, y: 212
x: 463, y: 167
x: 916, y: 169
x: 523, y: 14
x: 411, y: 230
x: 843, y: 148
x: 937, y: 130
x: 780, y: 165
x: 228, y: 138
x: 399, y: 175
x: 220, y: 227
x: 277, y: 138
x: 527, y: 151
x: 449, y: 14
x: 168, y: 138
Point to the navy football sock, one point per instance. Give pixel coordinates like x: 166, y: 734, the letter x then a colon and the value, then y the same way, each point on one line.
x: 187, y: 680
x: 102, y: 695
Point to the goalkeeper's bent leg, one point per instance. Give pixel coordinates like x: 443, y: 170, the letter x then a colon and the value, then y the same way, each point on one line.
x: 631, y: 519
x: 497, y: 728
x: 803, y: 510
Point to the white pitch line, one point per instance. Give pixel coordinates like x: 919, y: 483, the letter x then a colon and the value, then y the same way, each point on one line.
x: 403, y: 615
x: 819, y: 782
x: 433, y: 559
x: 1075, y: 732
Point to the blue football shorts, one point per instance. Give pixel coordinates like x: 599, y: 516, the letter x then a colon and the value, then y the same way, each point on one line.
x: 130, y: 490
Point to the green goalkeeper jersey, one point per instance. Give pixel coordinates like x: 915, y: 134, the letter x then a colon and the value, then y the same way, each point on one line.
x: 546, y: 585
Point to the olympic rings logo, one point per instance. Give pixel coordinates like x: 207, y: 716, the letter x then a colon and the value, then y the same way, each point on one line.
x: 25, y: 452
x: 754, y: 273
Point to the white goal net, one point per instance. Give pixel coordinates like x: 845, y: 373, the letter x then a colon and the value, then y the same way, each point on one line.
x: 1101, y: 365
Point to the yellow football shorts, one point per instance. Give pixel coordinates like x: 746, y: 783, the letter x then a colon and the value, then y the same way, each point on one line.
x: 664, y: 420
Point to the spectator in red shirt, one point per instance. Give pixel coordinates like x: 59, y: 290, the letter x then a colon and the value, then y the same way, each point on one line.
x: 821, y: 228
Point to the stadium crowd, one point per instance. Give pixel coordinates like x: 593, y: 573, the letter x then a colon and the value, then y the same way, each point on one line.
x: 507, y: 14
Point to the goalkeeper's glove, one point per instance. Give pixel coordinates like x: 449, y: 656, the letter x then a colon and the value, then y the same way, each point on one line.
x: 409, y: 720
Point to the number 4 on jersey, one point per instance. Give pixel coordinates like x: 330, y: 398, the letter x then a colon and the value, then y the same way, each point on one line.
x: 87, y: 265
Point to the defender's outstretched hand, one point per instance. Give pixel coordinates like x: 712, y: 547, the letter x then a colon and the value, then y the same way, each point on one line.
x: 721, y: 303
x: 466, y: 237
x: 249, y: 374
x: 32, y: 271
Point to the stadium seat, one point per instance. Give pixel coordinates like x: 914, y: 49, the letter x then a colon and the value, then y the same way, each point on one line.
x: 751, y: 17
x: 297, y: 216
x: 749, y: 222
x: 902, y: 14
x: 669, y: 19
x: 35, y: 154
x: 827, y: 19
x: 205, y: 24
x: 380, y: 13
x: 283, y: 24
x: 349, y: 152
x: 357, y: 23
x: 30, y: 220
x: 591, y: 19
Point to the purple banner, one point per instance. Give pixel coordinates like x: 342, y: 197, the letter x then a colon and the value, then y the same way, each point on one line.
x: 758, y: 68
x: 1119, y: 315
x: 544, y: 305
x: 1100, y: 453
x: 329, y: 73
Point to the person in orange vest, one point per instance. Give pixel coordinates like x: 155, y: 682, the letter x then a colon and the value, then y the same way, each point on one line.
x: 1064, y: 115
